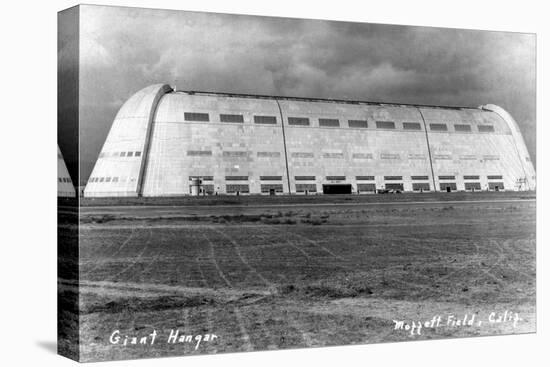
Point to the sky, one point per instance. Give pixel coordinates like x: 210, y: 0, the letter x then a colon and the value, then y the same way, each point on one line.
x: 123, y: 50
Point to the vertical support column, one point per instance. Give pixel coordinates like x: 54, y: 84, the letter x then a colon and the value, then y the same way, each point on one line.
x: 428, y: 145
x: 284, y: 146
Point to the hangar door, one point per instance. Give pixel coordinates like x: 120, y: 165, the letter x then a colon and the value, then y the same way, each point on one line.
x: 337, y: 189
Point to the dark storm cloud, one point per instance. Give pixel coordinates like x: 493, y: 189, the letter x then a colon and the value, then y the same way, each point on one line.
x: 124, y: 50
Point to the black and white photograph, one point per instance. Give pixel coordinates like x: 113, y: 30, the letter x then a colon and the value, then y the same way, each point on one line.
x: 232, y: 181
x: 248, y: 183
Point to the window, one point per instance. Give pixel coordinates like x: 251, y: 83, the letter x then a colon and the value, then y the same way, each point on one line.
x: 301, y: 121
x: 301, y: 155
x: 208, y: 189
x: 438, y: 127
x: 265, y: 120
x: 130, y: 154
x: 304, y: 178
x: 204, y: 178
x: 240, y: 154
x: 306, y: 187
x: 421, y: 186
x: 495, y: 186
x: 393, y: 178
x: 394, y: 186
x: 137, y: 154
x: 385, y: 125
x: 333, y: 155
x: 196, y: 116
x: 329, y: 122
x: 486, y: 128
x: 419, y: 178
x: 361, y: 156
x: 271, y: 178
x: 231, y: 118
x: 268, y: 154
x: 101, y: 179
x: 108, y: 179
x: 411, y: 126
x: 336, y: 178
x: 233, y: 188
x: 115, y: 179
x: 471, y: 177
x: 491, y: 157
x: 463, y: 128
x: 358, y: 124
x: 495, y: 177
x: 199, y: 152
x: 123, y: 154
x: 236, y: 178
x: 265, y: 188
x: 469, y: 186
x: 60, y: 179
x: 446, y: 177
x: 389, y: 156
x: 364, y: 178
x: 447, y: 186
x: 366, y: 187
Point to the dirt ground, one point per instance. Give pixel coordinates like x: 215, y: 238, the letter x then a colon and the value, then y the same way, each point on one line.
x: 306, y: 276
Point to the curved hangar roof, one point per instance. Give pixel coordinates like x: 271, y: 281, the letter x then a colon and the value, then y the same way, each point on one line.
x: 162, y: 138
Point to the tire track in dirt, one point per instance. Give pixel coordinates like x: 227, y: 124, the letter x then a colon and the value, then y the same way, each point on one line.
x: 237, y: 249
x: 159, y: 251
x: 315, y: 243
x: 136, y: 259
x: 264, y: 236
x: 464, y: 266
x: 116, y: 252
x: 215, y: 262
x: 349, y: 268
x: 501, y: 257
x: 247, y: 344
x: 346, y: 267
x: 238, y: 316
x: 209, y: 316
x: 512, y: 248
x: 175, y: 262
x: 499, y: 252
x: 201, y: 273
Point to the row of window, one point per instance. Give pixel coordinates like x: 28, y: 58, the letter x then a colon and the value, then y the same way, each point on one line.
x: 361, y: 187
x: 332, y: 122
x: 119, y: 154
x: 338, y: 155
x: 328, y: 155
x: 305, y: 178
x: 64, y: 179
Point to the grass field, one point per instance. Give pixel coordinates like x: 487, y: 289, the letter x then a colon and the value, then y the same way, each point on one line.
x: 270, y: 277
